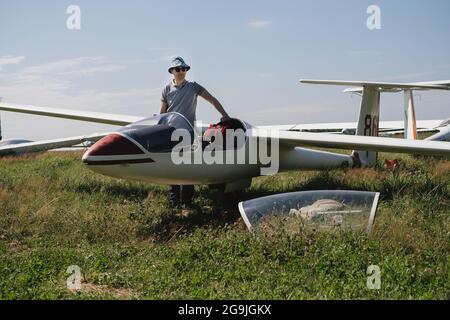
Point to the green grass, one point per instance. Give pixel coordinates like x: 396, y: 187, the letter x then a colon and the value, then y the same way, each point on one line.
x: 129, y: 244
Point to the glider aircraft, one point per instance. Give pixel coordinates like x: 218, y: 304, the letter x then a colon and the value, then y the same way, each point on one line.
x: 142, y: 149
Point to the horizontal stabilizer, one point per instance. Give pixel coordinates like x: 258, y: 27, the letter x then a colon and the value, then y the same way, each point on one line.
x: 381, y: 85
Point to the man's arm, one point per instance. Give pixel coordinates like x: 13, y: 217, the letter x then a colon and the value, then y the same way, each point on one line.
x: 208, y: 97
x: 163, y: 107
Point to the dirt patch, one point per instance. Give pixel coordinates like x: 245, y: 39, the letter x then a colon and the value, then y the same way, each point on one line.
x: 4, y: 195
x: 14, y: 246
x: 118, y: 293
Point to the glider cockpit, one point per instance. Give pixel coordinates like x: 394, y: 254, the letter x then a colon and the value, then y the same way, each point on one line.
x: 155, y: 133
x: 130, y: 143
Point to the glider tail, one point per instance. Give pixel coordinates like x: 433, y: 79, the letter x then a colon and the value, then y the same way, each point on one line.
x: 410, y: 116
x: 370, y: 109
x: 368, y: 124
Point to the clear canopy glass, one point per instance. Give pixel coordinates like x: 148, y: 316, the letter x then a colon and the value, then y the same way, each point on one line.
x: 316, y: 210
x: 172, y: 119
x: 155, y: 133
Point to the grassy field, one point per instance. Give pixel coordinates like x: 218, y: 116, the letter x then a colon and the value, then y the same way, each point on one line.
x: 54, y: 213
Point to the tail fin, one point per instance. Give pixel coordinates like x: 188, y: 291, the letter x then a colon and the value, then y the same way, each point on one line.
x: 410, y: 116
x: 368, y: 122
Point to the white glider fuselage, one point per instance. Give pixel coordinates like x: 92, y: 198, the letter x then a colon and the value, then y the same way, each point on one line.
x: 162, y: 170
x: 139, y: 152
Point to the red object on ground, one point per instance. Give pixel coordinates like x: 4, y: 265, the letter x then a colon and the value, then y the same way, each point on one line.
x: 391, y: 164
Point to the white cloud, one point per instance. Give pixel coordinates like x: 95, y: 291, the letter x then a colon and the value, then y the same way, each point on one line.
x: 83, y: 66
x: 9, y: 60
x: 59, y: 84
x: 258, y: 24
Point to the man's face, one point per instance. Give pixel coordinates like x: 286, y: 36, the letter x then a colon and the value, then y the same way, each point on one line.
x: 179, y: 73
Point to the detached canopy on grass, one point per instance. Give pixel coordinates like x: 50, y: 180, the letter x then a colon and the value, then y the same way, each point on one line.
x: 317, y: 210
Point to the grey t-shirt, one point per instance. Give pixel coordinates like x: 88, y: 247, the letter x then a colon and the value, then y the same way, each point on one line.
x: 182, y: 99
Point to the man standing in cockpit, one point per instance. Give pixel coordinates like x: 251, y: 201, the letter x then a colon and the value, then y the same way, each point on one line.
x: 180, y: 96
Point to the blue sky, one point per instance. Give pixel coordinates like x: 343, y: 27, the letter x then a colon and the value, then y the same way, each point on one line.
x: 249, y: 54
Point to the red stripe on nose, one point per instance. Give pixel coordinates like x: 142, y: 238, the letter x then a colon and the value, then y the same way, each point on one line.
x: 113, y: 145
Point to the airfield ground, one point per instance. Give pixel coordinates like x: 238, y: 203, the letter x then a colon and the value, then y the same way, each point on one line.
x: 54, y: 213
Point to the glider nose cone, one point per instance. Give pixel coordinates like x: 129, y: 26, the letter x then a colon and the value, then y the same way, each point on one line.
x: 110, y: 148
